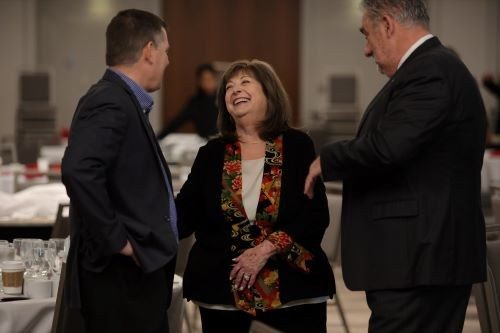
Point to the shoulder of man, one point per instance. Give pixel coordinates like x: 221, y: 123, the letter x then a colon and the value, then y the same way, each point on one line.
x: 434, y: 57
x: 107, y: 92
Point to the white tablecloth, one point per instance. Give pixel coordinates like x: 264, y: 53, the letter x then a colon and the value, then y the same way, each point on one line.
x: 35, y: 315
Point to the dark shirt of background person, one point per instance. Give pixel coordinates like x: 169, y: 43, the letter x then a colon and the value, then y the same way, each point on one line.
x: 494, y: 88
x: 491, y: 85
x: 200, y: 109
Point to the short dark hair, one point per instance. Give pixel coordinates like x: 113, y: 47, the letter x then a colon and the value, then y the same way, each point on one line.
x: 127, y: 34
x: 403, y: 11
x: 278, y: 106
x: 202, y: 68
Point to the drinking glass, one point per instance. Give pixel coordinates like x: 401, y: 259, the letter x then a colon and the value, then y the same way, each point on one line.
x: 27, y: 254
x: 40, y: 265
x: 56, y: 254
x: 17, y: 248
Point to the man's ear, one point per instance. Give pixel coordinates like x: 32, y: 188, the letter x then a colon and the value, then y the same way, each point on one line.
x: 389, y: 25
x: 147, y: 52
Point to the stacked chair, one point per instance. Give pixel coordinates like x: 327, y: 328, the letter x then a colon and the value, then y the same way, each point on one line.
x: 487, y: 294
x: 331, y: 245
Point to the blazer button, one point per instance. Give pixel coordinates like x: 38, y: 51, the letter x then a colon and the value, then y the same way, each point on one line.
x: 167, y: 218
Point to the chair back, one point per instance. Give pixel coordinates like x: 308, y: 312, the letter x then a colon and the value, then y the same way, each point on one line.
x: 493, y: 232
x: 8, y: 153
x: 183, y: 250
x: 61, y: 225
x: 487, y: 294
x: 57, y: 321
x: 493, y: 284
x: 66, y: 319
x: 331, y: 238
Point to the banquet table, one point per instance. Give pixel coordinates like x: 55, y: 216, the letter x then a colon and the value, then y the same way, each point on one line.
x: 35, y: 315
x: 35, y: 227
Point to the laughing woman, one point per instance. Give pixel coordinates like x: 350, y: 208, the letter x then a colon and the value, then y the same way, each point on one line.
x: 257, y: 253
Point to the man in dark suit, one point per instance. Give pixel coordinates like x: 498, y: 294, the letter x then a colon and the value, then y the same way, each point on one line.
x: 123, y: 219
x: 412, y: 226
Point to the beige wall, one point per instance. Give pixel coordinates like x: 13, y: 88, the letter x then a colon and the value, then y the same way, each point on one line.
x: 471, y: 28
x: 332, y: 44
x: 17, y: 37
x: 67, y: 37
x: 71, y: 37
x: 64, y: 37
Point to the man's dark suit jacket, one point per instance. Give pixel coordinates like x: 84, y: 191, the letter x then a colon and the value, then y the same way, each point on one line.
x: 411, y: 214
x: 112, y: 173
x: 199, y: 207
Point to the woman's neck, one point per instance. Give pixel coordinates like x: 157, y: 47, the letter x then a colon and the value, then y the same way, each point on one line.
x: 248, y: 134
x: 252, y: 146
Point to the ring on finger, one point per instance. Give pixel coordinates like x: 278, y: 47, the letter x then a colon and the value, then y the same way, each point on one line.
x: 246, y: 277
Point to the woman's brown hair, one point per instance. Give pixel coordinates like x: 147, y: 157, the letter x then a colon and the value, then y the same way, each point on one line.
x: 278, y: 106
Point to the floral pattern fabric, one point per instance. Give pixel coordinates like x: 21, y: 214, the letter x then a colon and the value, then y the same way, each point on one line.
x: 245, y: 234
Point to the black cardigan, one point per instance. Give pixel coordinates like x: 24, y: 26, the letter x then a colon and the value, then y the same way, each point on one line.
x: 206, y: 278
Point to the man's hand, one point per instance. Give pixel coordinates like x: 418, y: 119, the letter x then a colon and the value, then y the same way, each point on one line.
x: 128, y: 251
x: 314, y: 172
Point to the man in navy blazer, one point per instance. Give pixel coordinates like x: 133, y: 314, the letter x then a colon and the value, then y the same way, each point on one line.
x: 123, y: 219
x: 412, y: 226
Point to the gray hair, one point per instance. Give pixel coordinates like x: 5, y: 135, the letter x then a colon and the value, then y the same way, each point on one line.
x: 407, y: 12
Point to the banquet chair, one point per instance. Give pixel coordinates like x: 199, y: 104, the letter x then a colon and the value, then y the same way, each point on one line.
x: 185, y: 245
x: 182, y: 254
x: 61, y: 225
x: 8, y: 152
x: 487, y: 294
x: 493, y: 233
x: 495, y: 210
x: 57, y: 321
x: 331, y: 245
x: 493, y: 250
x: 331, y: 240
x: 65, y: 318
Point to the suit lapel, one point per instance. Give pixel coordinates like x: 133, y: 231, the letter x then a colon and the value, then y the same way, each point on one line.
x: 370, y: 106
x: 153, y: 141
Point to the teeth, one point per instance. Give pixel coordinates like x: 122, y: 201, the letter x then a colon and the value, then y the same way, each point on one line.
x: 240, y: 100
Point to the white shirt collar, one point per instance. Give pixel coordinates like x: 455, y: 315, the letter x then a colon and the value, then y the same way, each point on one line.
x: 413, y: 48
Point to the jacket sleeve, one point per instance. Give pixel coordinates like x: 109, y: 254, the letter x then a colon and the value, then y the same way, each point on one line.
x: 413, y: 117
x: 308, y: 226
x: 188, y: 216
x: 96, y: 138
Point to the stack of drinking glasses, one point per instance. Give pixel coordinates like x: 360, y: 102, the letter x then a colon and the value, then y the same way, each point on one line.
x: 42, y: 261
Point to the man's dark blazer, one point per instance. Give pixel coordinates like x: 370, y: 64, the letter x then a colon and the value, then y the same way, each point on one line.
x: 411, y: 214
x: 206, y: 278
x: 112, y: 173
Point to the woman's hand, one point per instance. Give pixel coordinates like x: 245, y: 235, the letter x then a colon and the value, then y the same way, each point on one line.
x: 248, y: 265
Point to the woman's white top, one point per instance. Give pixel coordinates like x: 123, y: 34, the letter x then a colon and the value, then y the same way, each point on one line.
x: 251, y: 172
